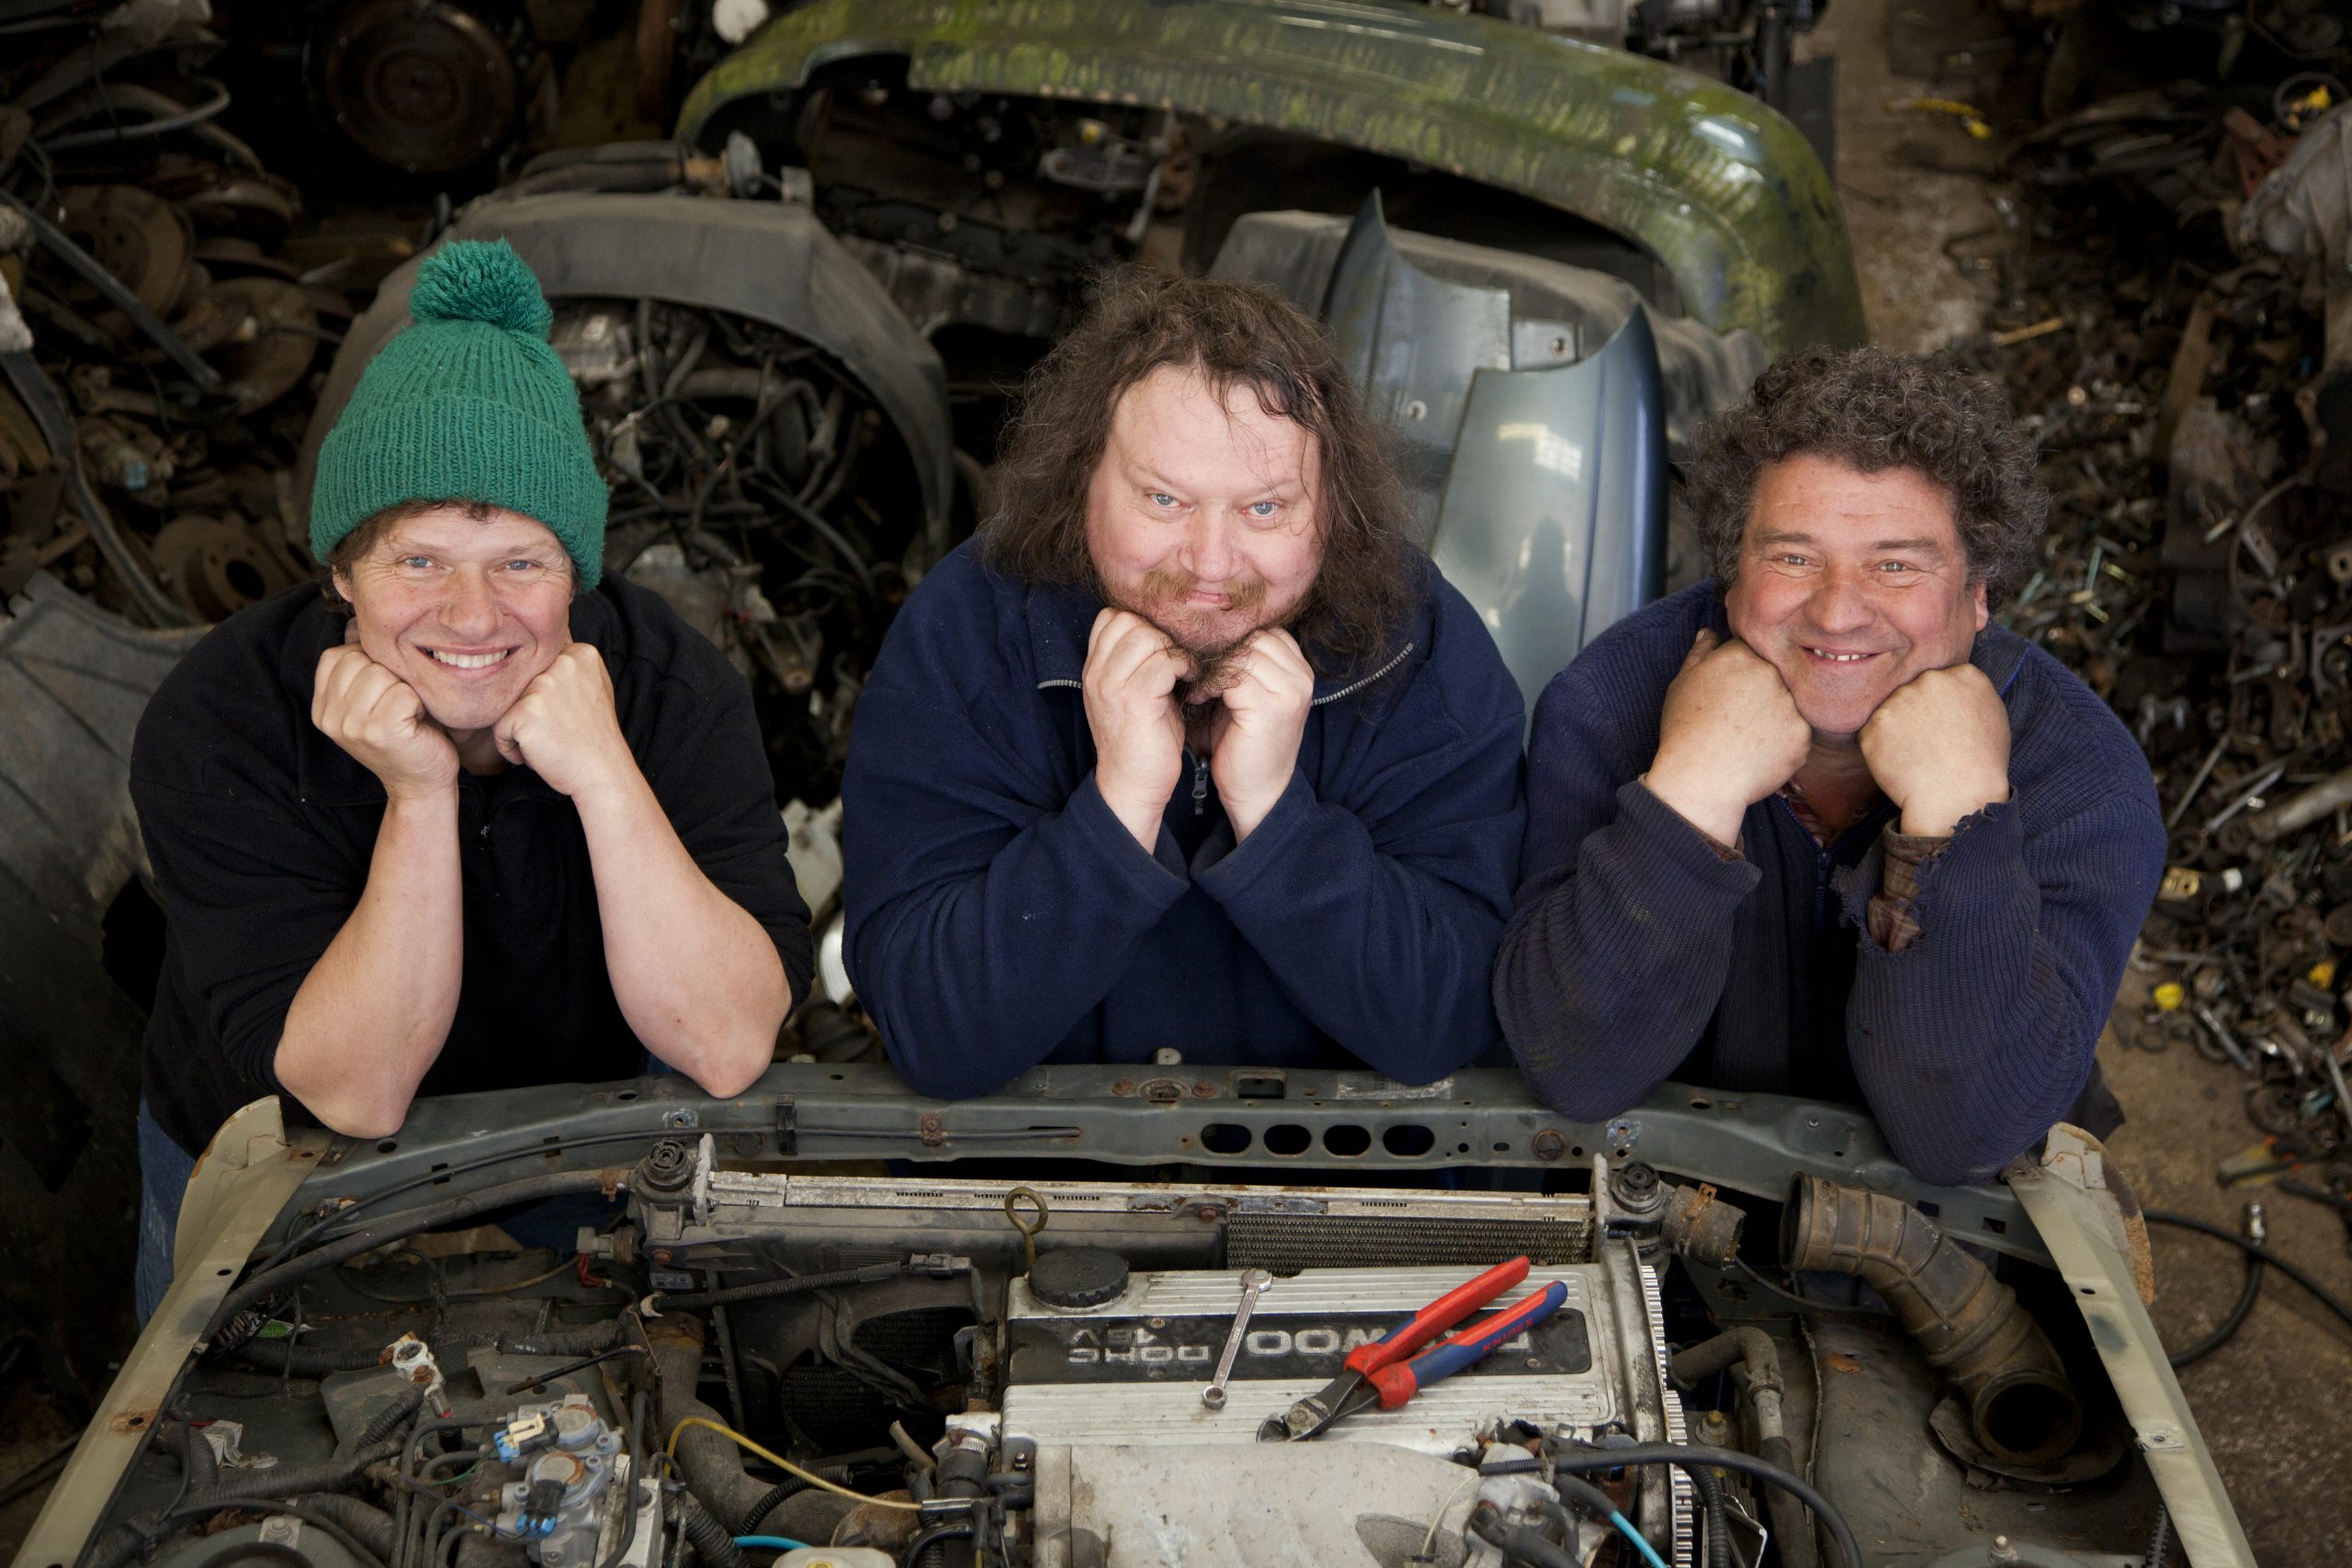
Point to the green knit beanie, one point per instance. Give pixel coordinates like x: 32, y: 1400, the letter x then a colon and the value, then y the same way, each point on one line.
x: 469, y: 403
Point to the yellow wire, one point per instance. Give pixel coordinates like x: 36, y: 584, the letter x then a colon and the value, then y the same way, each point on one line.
x: 784, y: 1464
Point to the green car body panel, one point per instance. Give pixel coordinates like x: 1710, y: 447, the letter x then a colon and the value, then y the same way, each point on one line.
x: 1727, y: 193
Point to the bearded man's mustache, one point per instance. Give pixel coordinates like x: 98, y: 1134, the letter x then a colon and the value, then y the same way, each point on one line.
x: 1164, y: 591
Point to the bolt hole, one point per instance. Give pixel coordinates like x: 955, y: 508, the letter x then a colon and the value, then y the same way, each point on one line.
x: 386, y: 1146
x: 1700, y: 1102
x: 1502, y: 1148
x: 626, y: 1094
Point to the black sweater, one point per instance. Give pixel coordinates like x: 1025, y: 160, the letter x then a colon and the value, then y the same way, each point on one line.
x: 261, y: 829
x: 1637, y: 953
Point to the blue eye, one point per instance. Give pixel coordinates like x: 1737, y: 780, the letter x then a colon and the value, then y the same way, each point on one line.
x: 1161, y: 498
x: 416, y: 563
x: 1264, y: 508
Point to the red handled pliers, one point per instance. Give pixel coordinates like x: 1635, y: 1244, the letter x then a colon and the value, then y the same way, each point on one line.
x: 1379, y: 1373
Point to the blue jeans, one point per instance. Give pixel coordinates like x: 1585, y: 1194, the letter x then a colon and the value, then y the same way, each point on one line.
x: 164, y: 1170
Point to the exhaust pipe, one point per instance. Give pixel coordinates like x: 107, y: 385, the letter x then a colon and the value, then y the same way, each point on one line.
x: 1969, y: 1324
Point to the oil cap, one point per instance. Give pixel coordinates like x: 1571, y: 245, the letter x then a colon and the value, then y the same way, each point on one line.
x: 1078, y: 1277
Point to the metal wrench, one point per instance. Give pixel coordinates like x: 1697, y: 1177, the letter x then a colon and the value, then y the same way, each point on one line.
x: 1253, y: 1285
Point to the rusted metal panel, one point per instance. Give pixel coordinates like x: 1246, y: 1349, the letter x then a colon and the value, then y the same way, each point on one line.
x: 1725, y: 192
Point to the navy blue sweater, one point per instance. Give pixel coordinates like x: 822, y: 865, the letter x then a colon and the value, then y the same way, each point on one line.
x: 1000, y: 916
x: 1637, y: 953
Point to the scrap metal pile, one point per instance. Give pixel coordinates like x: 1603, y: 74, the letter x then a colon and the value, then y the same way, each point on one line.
x: 2175, y: 326
x: 157, y: 349
x: 162, y: 367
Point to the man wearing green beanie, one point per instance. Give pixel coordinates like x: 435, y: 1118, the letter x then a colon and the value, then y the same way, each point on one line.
x: 476, y: 818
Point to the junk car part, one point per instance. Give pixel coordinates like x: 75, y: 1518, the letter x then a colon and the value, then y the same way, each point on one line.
x: 1725, y: 193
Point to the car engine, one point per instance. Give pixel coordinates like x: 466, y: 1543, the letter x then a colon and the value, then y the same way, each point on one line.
x: 758, y: 1342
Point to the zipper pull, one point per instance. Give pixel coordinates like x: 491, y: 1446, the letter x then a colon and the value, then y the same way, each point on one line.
x: 1200, y: 787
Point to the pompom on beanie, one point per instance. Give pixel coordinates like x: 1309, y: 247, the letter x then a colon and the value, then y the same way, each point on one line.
x: 469, y: 403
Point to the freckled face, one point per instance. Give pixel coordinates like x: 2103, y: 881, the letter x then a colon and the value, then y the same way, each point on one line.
x: 1850, y: 584
x: 467, y: 613
x: 1201, y: 517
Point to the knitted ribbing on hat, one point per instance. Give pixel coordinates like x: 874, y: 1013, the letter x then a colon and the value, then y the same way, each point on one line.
x: 469, y: 403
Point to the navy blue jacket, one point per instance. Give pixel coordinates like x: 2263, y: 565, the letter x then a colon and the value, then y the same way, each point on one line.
x: 999, y: 915
x: 1637, y: 953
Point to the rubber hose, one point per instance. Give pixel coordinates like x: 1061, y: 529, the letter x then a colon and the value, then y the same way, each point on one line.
x: 284, y: 1357
x: 1759, y: 1355
x: 1972, y: 1328
x: 764, y: 1289
x: 2229, y: 1326
x: 286, y: 1480
x: 2294, y: 1271
x: 712, y: 1465
x: 392, y: 1418
x: 783, y: 1491
x: 1568, y: 1460
x: 1711, y: 1503
x: 371, y: 1525
x: 710, y: 1537
x: 933, y: 1537
x: 399, y: 1227
x: 114, y: 1549
x: 197, y: 1461
x: 1517, y: 1542
x: 594, y: 1339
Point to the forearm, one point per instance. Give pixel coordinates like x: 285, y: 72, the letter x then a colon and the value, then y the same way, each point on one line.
x: 1973, y: 1038
x: 371, y: 1016
x: 697, y: 979
x: 974, y: 977
x: 1608, y: 972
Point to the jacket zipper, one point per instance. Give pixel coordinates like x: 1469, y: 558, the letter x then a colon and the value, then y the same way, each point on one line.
x: 1200, y: 784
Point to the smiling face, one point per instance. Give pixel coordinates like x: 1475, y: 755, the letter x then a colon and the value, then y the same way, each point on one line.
x: 1850, y: 584
x: 466, y: 612
x: 1201, y: 517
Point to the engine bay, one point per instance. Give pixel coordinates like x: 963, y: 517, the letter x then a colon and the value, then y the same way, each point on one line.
x: 750, y: 1342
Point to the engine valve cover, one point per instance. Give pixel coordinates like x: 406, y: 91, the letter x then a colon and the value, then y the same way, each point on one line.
x: 1130, y: 1370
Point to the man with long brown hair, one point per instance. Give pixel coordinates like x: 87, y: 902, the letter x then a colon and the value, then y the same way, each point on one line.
x: 1190, y: 748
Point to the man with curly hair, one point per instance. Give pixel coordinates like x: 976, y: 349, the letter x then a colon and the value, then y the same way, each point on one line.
x: 1189, y: 749
x: 1819, y: 827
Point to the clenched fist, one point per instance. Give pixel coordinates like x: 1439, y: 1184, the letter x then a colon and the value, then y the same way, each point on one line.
x: 1269, y: 689
x: 1730, y: 735
x: 563, y: 727
x: 380, y: 720
x: 1938, y: 746
x: 1129, y: 684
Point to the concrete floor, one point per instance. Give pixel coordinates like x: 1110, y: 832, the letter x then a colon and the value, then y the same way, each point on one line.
x: 2272, y: 1402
